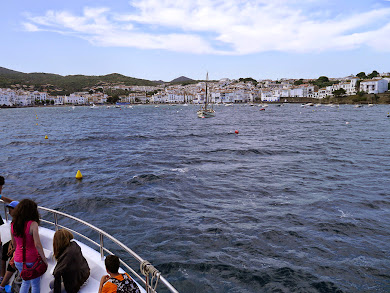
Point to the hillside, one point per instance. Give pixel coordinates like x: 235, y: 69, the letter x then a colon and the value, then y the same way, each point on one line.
x: 59, y: 84
x: 182, y: 79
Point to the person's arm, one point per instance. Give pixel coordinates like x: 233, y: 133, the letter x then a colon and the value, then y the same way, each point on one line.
x: 102, y: 281
x: 11, y: 249
x: 37, y: 240
x: 6, y: 199
x: 57, y: 283
x: 13, y: 240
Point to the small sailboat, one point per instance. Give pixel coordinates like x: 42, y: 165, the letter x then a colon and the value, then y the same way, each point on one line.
x: 204, y: 111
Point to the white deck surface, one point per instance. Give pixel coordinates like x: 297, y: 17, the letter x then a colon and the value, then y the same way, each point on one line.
x: 92, y: 256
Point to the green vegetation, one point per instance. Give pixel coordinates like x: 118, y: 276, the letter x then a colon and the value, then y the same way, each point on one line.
x: 58, y: 84
x: 298, y: 82
x: 362, y: 75
x: 113, y: 99
x: 339, y: 93
x: 323, y: 81
x: 373, y: 74
x: 248, y: 79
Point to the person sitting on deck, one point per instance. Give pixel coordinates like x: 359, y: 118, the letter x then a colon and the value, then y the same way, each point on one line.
x: 71, y: 265
x: 114, y: 281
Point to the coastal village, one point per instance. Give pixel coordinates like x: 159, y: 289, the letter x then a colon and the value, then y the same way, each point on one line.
x: 220, y: 92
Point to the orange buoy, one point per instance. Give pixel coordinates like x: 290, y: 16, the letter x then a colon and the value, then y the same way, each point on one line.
x: 236, y: 132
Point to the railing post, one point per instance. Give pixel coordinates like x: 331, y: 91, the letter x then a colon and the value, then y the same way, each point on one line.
x: 5, y: 212
x: 101, y: 246
x: 56, y: 221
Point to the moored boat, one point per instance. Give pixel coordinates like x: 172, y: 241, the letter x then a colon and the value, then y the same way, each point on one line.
x: 204, y: 111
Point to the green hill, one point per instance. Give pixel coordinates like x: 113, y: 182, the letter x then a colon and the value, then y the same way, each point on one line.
x: 59, y: 84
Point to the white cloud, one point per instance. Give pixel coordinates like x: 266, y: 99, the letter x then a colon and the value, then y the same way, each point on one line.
x: 30, y: 27
x: 223, y: 26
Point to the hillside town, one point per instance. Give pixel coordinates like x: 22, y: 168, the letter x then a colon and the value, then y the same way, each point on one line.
x: 220, y: 92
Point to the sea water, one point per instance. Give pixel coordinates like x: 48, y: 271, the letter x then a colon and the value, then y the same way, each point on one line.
x: 297, y: 201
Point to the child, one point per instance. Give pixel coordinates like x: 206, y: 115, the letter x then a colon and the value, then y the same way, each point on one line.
x: 114, y: 281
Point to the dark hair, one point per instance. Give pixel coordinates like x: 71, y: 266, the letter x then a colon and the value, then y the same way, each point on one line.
x: 112, y: 263
x: 1, y: 180
x: 26, y: 210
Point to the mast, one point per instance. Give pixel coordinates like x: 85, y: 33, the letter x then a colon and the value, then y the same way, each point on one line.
x: 207, y: 78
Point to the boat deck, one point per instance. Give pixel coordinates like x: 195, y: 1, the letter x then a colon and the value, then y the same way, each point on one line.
x: 96, y: 264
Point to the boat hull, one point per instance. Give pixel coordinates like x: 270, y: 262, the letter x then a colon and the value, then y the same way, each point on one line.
x: 206, y: 113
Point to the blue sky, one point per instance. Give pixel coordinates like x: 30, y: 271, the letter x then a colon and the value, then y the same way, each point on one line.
x: 164, y: 39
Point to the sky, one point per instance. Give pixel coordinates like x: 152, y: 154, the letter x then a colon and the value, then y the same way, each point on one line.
x: 165, y: 39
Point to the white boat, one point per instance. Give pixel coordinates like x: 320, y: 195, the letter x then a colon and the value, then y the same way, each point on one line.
x: 95, y: 258
x: 93, y: 106
x: 204, y: 111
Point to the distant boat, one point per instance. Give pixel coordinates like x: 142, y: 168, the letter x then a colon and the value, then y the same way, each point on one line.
x: 204, y: 111
x: 93, y: 106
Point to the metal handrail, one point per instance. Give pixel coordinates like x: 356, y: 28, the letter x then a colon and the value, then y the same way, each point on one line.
x: 102, y: 249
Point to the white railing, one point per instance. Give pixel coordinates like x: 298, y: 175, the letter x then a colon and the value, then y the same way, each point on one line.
x: 152, y: 275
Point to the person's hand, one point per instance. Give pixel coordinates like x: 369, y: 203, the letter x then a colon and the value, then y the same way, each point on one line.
x: 10, y: 251
x: 105, y: 278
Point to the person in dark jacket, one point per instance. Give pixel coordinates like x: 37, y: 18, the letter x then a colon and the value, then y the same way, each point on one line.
x: 71, y: 270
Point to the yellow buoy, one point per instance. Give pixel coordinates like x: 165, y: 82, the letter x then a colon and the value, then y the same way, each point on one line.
x: 78, y: 175
x: 46, y: 137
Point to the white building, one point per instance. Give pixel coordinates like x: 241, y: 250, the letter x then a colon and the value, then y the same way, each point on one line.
x: 269, y: 96
x: 38, y: 96
x: 159, y: 98
x: 76, y: 99
x: 59, y: 100
x: 349, y: 87
x: 374, y: 86
x: 7, y: 97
